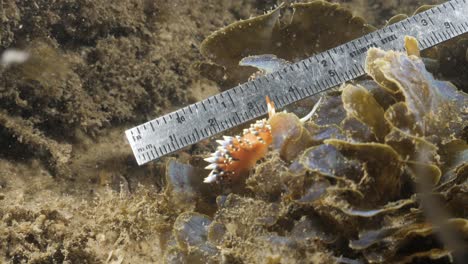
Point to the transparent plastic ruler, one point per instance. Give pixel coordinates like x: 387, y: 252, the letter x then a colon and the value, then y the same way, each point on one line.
x: 312, y: 76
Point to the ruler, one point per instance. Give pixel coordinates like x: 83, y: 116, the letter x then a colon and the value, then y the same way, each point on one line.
x: 309, y: 77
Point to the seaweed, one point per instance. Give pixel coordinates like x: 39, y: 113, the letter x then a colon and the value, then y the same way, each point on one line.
x: 364, y: 170
x: 366, y: 166
x: 360, y: 103
x: 309, y: 30
x: 378, y: 174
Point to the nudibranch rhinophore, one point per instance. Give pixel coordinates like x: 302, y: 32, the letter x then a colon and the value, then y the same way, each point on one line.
x: 237, y: 155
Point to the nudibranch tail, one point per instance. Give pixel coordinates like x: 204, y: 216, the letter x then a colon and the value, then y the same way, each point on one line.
x: 312, y: 112
x: 270, y: 107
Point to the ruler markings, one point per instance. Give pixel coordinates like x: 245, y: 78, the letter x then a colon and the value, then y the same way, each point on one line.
x: 308, y: 77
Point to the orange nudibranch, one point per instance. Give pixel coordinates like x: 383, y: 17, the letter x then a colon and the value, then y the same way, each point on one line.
x: 237, y: 155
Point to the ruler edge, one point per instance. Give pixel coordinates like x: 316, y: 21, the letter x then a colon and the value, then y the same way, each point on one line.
x: 129, y: 133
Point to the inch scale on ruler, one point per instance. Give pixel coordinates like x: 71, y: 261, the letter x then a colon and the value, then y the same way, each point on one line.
x: 297, y: 81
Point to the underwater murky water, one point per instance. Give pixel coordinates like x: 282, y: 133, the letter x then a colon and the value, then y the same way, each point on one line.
x: 377, y: 175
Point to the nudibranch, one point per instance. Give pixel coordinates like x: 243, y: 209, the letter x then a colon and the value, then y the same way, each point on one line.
x: 237, y: 155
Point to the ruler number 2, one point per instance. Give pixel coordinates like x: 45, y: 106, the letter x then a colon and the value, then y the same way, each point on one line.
x: 332, y: 73
x: 212, y: 121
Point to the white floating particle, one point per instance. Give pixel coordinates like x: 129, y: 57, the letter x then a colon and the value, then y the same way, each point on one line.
x: 13, y: 56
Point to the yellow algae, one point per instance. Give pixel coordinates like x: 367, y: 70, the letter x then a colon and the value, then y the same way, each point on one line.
x: 359, y: 103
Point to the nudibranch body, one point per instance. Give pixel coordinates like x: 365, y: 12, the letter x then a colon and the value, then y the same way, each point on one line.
x: 238, y: 155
